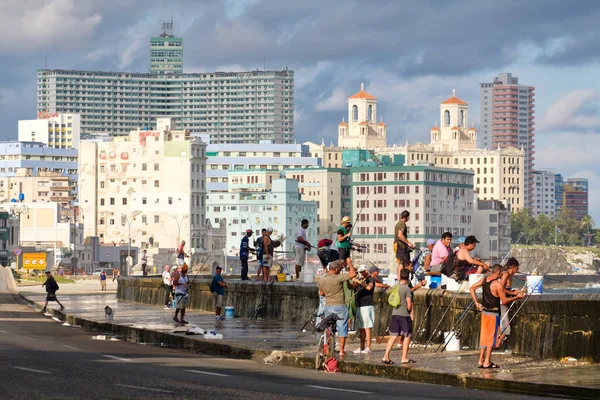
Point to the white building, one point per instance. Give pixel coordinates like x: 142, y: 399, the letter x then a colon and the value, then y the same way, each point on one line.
x: 280, y: 207
x: 37, y: 156
x: 58, y: 130
x: 453, y: 135
x: 149, y: 187
x: 544, y: 191
x: 491, y: 226
x: 362, y: 130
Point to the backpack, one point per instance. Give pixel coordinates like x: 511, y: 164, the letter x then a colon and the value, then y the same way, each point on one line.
x: 212, y: 286
x: 394, y: 298
x: 415, y: 260
x: 331, y: 365
x: 449, y: 264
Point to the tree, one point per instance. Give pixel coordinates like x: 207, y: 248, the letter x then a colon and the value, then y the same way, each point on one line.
x: 542, y: 229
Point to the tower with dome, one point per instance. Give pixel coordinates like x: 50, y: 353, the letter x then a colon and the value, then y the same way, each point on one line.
x: 361, y: 129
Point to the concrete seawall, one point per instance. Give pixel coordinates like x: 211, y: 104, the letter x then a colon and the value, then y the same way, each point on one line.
x: 548, y: 326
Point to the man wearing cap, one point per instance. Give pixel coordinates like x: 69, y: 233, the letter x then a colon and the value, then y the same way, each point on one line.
x: 331, y: 286
x: 245, y: 253
x: 343, y: 237
x: 301, y: 247
x: 460, y: 243
x: 440, y: 252
x: 365, y: 313
x: 217, y: 287
x: 268, y: 248
x: 402, y: 245
x: 425, y: 258
x: 467, y: 265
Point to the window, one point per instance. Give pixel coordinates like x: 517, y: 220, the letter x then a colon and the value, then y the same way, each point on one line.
x: 124, y: 201
x: 101, y: 185
x: 156, y: 167
x: 112, y: 201
x: 143, y: 200
x: 144, y: 219
x: 156, y: 184
x: 170, y: 200
x: 156, y: 219
x: 144, y: 167
x: 101, y: 202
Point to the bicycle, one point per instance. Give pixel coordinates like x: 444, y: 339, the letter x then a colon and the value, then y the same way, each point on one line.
x: 326, y: 347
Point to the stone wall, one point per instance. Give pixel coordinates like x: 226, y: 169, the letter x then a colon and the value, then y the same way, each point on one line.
x: 548, y: 326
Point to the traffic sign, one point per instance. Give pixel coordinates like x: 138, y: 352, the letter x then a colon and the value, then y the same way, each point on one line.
x: 17, y: 252
x: 34, y: 260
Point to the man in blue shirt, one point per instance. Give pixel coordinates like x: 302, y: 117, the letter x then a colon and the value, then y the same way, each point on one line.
x: 244, y: 253
x: 217, y: 287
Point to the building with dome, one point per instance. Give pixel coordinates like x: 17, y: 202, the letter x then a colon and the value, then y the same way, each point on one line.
x: 362, y: 130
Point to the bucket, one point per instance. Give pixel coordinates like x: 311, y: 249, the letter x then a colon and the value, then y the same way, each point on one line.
x: 473, y: 279
x: 535, y: 284
x: 436, y: 281
x: 229, y: 311
x: 308, y: 277
x: 280, y: 277
x: 454, y: 343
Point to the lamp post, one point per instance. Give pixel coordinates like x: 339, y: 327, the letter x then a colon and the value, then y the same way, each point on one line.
x: 127, y: 220
x: 72, y: 214
x: 179, y: 221
x: 16, y: 211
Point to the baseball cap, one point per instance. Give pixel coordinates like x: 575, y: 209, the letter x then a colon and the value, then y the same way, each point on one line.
x: 471, y: 239
x: 218, y: 267
x: 249, y: 231
x: 460, y: 240
x: 373, y: 269
x: 362, y: 268
x: 430, y: 242
x: 270, y: 229
x: 346, y: 219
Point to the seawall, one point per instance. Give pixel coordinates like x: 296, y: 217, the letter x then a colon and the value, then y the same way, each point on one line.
x: 548, y: 326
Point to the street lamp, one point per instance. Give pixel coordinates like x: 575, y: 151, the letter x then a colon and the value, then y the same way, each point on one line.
x: 72, y: 214
x: 179, y: 221
x: 128, y: 220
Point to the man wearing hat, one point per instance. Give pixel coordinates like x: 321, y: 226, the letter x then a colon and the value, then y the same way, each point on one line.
x: 440, y: 252
x: 343, y: 236
x: 217, y: 287
x: 245, y: 253
x: 268, y: 248
x: 425, y: 258
x: 467, y: 265
x: 460, y: 242
x: 365, y: 313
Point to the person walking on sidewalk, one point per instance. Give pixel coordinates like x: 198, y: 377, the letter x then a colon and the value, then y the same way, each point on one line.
x: 365, y: 313
x: 217, y: 287
x: 51, y: 289
x: 245, y: 253
x: 167, y: 285
x: 102, y: 278
x: 116, y: 273
x: 493, y: 294
x: 401, y: 324
x: 181, y: 283
x: 301, y: 247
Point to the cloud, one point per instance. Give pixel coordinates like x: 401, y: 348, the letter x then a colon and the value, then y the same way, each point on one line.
x: 571, y: 111
x: 335, y: 102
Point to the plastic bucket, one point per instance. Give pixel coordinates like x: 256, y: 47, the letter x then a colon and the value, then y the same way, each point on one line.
x: 535, y: 284
x: 308, y: 277
x: 229, y: 311
x: 473, y: 279
x: 436, y: 281
x: 288, y: 278
x: 454, y: 343
x: 280, y: 277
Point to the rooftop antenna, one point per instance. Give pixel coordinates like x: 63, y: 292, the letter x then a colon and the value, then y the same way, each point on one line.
x: 167, y: 28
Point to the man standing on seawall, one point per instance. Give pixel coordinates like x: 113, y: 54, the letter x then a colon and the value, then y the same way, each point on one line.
x: 301, y: 247
x: 144, y: 262
x: 512, y: 267
x: 403, y: 246
x: 167, y: 284
x: 245, y: 253
x: 343, y: 237
x: 217, y: 287
x: 181, y: 255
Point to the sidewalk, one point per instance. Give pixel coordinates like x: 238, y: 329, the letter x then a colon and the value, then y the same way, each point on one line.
x: 255, y: 339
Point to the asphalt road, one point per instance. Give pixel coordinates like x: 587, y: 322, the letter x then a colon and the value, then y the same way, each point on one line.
x: 41, y: 359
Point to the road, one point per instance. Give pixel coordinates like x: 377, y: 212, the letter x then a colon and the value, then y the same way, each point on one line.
x: 43, y: 359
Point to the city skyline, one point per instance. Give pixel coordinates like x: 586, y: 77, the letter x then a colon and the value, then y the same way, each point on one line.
x: 410, y: 66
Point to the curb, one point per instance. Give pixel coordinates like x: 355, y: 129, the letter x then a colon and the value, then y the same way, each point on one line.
x: 213, y: 348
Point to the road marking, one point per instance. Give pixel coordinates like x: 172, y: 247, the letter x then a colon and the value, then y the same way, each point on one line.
x: 69, y: 347
x: 205, y: 372
x: 39, y: 371
x: 116, y: 358
x: 336, y: 389
x: 1, y: 331
x: 145, y: 388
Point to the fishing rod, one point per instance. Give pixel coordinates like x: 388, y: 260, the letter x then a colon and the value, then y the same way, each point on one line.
x: 455, y: 332
x: 424, y: 318
x: 444, y: 315
x: 362, y: 208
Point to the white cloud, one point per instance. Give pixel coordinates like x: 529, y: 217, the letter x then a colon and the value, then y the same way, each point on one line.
x: 306, y: 75
x: 335, y: 102
x: 566, y: 112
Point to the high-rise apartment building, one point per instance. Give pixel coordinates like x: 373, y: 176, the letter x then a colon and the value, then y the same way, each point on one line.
x: 166, y: 51
x: 544, y: 193
x: 575, y: 197
x: 231, y: 107
x: 61, y: 131
x: 507, y: 114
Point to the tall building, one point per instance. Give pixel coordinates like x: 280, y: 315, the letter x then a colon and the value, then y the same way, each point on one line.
x: 559, y: 189
x: 362, y: 130
x: 61, y: 131
x: 544, y: 193
x: 166, y: 52
x: 38, y: 157
x: 507, y: 120
x: 231, y: 107
x: 575, y: 197
x: 149, y: 187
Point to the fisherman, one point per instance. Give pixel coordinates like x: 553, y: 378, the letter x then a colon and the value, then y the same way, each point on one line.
x: 344, y: 242
x: 301, y: 247
x: 512, y: 267
x: 181, y: 283
x: 401, y: 323
x: 365, y: 314
x: 245, y: 253
x: 402, y: 246
x: 440, y: 252
x: 467, y: 265
x: 493, y: 294
x: 258, y: 243
x: 268, y: 248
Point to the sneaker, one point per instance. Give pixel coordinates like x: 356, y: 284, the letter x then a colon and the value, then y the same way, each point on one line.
x: 218, y: 318
x: 167, y: 307
x: 357, y: 351
x: 222, y: 318
x: 44, y: 311
x: 184, y: 322
x: 62, y: 307
x: 366, y: 351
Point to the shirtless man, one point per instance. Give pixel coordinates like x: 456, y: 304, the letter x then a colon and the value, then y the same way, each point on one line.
x: 512, y: 267
x: 467, y: 265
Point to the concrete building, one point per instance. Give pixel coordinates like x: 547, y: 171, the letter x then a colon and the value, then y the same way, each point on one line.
x: 43, y: 187
x: 331, y: 156
x: 93, y: 256
x: 559, y: 189
x: 544, y: 193
x: 166, y: 51
x: 38, y: 157
x: 453, y: 134
x: 362, y: 130
x: 491, y: 225
x: 58, y: 130
x: 149, y: 187
x: 232, y: 107
x: 5, y: 236
x: 575, y: 197
x: 507, y: 120
x: 223, y: 158
x: 276, y: 204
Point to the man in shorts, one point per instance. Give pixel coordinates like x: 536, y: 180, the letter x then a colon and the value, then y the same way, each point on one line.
x: 401, y: 323
x: 217, y: 287
x: 365, y: 313
x: 268, y: 248
x: 402, y: 245
x: 301, y: 247
x: 343, y: 237
x: 512, y: 267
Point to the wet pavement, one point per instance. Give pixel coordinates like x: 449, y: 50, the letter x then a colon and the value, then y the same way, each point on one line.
x: 86, y: 302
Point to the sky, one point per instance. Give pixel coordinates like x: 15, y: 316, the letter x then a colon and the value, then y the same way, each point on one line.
x: 409, y: 54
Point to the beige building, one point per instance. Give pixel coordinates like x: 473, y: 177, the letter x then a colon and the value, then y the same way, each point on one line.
x: 331, y: 156
x: 58, y: 130
x: 149, y: 187
x: 453, y: 134
x: 43, y: 187
x: 362, y: 130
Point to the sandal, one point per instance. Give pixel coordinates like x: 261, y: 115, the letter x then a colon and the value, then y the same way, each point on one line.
x: 410, y: 361
x: 479, y: 365
x: 491, y: 366
x: 388, y: 362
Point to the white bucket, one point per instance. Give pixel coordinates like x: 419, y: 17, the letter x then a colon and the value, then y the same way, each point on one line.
x: 473, y: 279
x: 535, y: 284
x: 453, y: 344
x: 450, y: 283
x: 308, y: 277
x: 288, y: 278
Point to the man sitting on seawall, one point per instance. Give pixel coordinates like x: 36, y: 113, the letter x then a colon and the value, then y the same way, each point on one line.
x: 465, y: 264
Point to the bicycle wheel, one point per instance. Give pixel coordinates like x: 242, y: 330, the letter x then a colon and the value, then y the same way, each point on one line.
x: 330, y: 346
x: 320, y: 356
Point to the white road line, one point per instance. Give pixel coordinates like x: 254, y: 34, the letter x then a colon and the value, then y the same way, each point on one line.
x: 336, y: 389
x: 1, y: 331
x: 116, y: 358
x: 39, y: 371
x: 69, y: 347
x: 145, y: 388
x: 205, y: 372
